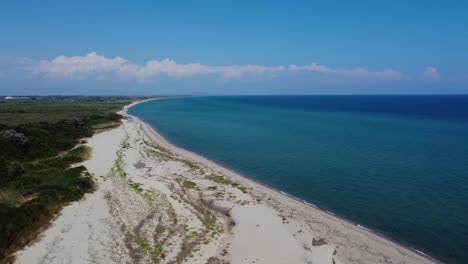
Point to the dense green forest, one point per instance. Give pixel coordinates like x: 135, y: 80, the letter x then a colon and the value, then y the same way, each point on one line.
x: 39, y: 141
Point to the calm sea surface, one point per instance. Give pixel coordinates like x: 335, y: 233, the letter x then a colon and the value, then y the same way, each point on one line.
x: 395, y: 164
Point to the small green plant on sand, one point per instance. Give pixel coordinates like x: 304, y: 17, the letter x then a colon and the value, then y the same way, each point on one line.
x: 135, y: 186
x: 192, y: 165
x: 189, y: 184
x: 155, y: 252
x: 222, y: 180
x: 119, y: 163
x: 218, y: 179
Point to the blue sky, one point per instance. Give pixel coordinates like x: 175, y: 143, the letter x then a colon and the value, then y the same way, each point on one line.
x: 233, y: 47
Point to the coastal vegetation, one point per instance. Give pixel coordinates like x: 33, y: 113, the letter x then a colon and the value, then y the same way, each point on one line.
x: 222, y: 180
x: 40, y: 141
x: 118, y: 165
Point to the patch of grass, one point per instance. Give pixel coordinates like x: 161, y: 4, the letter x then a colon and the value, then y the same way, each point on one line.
x: 242, y: 189
x: 119, y: 164
x: 189, y: 184
x: 155, y: 252
x: 135, y: 186
x: 208, y: 219
x: 149, y: 195
x: 143, y: 245
x: 192, y: 165
x: 175, y: 198
x: 218, y: 179
x: 79, y: 154
x: 160, y: 151
x: 164, y: 156
x: 222, y: 180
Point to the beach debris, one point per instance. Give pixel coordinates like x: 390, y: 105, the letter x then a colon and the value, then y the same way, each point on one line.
x: 213, y: 260
x: 318, y: 242
x: 139, y: 165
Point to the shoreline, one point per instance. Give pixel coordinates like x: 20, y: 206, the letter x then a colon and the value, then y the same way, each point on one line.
x: 158, y: 203
x: 152, y: 133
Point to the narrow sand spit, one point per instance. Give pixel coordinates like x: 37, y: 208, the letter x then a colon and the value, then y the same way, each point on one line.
x: 156, y: 203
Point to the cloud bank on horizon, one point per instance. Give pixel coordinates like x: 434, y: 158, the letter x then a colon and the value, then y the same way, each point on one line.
x: 430, y: 74
x: 65, y: 74
x: 93, y: 65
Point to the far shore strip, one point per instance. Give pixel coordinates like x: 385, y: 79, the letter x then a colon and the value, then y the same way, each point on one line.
x: 157, y: 203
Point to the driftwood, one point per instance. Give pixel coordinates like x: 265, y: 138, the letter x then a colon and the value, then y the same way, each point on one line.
x: 318, y: 242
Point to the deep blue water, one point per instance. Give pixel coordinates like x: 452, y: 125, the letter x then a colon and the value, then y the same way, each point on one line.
x: 396, y: 164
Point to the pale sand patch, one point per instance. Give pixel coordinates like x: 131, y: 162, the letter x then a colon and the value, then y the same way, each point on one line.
x: 269, y: 241
x: 156, y: 203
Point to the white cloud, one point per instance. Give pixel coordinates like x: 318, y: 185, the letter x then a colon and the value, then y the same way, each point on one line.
x: 430, y: 74
x: 93, y: 65
x: 356, y: 73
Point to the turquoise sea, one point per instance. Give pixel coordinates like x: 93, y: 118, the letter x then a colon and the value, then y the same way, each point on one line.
x: 395, y: 164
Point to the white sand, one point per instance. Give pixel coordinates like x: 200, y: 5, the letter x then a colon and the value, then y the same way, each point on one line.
x: 156, y: 202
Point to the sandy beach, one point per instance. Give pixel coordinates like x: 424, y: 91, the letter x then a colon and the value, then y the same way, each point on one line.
x: 157, y: 203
